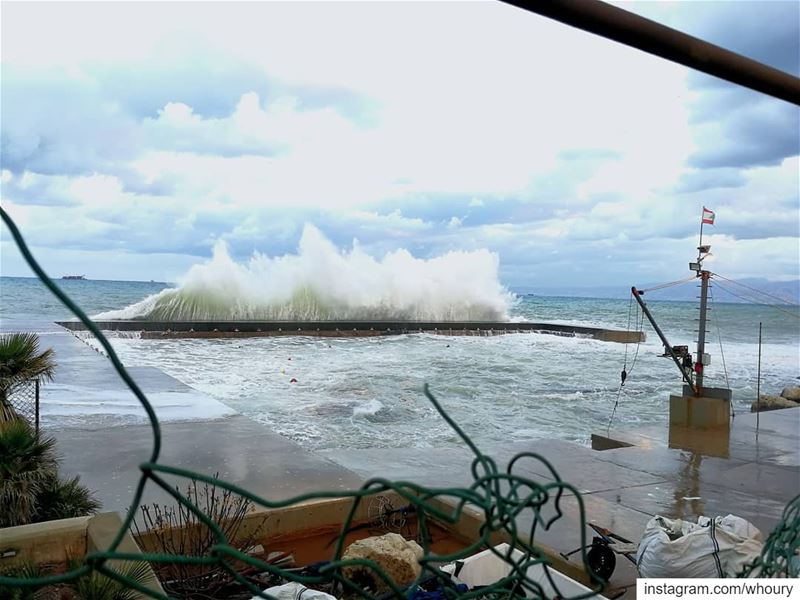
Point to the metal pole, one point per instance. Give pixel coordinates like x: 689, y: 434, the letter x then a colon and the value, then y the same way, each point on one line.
x: 667, y: 345
x: 700, y: 245
x: 758, y: 381
x: 37, y: 405
x: 701, y: 334
x: 654, y: 38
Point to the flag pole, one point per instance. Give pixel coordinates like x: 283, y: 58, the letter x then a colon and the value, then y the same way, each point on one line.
x: 700, y: 245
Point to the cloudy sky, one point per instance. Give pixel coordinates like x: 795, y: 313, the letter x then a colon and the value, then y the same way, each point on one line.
x: 136, y: 135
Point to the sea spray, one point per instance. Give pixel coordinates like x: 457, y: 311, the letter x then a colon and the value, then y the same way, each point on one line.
x: 321, y: 282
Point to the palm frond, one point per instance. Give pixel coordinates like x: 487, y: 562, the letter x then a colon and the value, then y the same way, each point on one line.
x: 27, y: 463
x: 7, y: 411
x: 24, y: 570
x: 64, y: 499
x: 99, y: 587
x: 21, y: 361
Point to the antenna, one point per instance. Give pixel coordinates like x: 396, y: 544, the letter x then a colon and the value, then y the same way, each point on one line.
x: 758, y: 382
x: 701, y: 358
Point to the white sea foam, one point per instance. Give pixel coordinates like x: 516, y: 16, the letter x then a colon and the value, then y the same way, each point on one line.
x: 322, y: 282
x: 368, y: 409
x: 64, y: 405
x: 367, y: 392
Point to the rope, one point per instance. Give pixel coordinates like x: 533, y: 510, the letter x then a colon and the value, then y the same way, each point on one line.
x: 715, y: 548
x: 614, y: 410
x: 499, y: 495
x: 757, y: 302
x: 756, y: 290
x: 719, y: 337
x: 640, y: 325
x: 625, y: 372
x: 669, y: 284
x: 628, y: 330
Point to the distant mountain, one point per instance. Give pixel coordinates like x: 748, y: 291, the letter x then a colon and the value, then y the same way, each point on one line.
x: 785, y: 290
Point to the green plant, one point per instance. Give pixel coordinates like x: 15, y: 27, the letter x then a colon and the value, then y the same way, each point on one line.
x: 25, y: 570
x: 64, y: 499
x: 30, y: 488
x: 178, y: 531
x: 20, y: 362
x: 99, y: 587
x: 27, y: 463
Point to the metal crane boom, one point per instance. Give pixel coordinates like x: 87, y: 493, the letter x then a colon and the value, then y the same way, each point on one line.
x: 637, y: 294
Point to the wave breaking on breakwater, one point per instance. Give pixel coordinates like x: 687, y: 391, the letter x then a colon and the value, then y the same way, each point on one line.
x: 321, y: 282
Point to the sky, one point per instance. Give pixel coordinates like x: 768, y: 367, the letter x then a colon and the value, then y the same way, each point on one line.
x: 137, y: 135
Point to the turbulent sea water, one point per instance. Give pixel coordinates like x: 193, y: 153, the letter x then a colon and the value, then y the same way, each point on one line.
x: 360, y: 393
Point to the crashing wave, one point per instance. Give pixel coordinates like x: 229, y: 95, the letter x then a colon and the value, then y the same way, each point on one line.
x: 321, y: 282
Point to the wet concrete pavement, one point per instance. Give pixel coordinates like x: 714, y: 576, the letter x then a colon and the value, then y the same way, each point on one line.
x: 235, y: 449
x: 748, y: 471
x: 88, y: 393
x: 107, y: 447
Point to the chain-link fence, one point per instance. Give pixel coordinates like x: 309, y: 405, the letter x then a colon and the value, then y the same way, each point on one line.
x: 25, y: 402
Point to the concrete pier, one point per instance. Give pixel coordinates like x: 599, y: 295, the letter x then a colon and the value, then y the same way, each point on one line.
x: 228, y: 329
x: 103, y: 435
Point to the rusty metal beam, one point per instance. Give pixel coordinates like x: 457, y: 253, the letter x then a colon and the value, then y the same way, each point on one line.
x: 630, y: 29
x: 667, y: 346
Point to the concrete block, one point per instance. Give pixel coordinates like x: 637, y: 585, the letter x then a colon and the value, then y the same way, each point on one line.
x: 602, y: 442
x: 710, y: 392
x: 702, y: 412
x: 100, y: 532
x: 51, y: 542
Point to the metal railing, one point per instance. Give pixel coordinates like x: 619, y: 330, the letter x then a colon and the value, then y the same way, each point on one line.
x: 25, y: 402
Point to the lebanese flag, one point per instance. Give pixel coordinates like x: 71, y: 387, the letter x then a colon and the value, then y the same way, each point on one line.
x: 708, y: 216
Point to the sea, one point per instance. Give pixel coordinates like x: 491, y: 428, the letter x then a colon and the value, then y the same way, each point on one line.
x: 327, y: 393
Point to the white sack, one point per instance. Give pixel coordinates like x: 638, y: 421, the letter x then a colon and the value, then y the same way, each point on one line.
x: 294, y: 591
x: 677, y: 548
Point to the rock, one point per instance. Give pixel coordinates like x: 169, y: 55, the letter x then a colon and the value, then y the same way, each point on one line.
x: 398, y: 557
x: 773, y: 403
x: 791, y: 393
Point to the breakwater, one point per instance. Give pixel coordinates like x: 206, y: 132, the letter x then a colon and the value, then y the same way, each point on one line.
x: 234, y: 329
